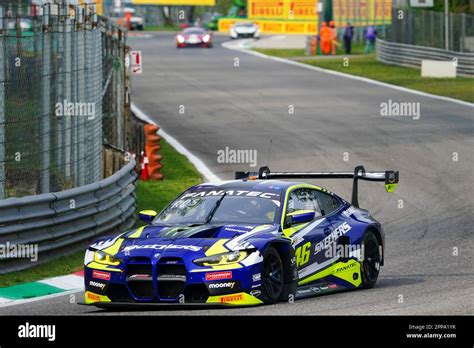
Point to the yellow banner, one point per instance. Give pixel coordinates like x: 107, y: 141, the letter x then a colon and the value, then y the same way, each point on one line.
x: 362, y: 12
x: 273, y: 27
x: 358, y: 12
x: 176, y: 2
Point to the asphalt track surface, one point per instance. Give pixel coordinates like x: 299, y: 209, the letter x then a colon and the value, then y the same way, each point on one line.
x: 429, y: 241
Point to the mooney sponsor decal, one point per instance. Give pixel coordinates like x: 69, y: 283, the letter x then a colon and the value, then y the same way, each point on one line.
x: 227, y: 285
x: 218, y: 275
x: 101, y: 275
x: 99, y: 285
x: 163, y: 247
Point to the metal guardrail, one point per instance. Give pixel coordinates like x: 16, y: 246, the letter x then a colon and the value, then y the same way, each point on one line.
x: 60, y: 222
x: 411, y: 56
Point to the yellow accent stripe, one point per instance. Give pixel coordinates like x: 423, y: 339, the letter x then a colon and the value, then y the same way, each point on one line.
x: 95, y: 265
x: 91, y: 297
x: 113, y: 249
x: 137, y: 233
x: 292, y: 230
x: 217, y: 248
x: 390, y: 187
x: 260, y: 228
x: 148, y: 212
x: 346, y: 274
x: 238, y: 299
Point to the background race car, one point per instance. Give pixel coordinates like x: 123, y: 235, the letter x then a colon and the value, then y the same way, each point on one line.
x: 194, y: 37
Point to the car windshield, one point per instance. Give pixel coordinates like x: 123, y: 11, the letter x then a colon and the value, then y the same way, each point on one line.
x: 220, y: 209
x: 245, y: 25
x: 194, y: 31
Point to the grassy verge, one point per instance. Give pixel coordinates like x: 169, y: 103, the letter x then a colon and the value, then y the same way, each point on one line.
x: 282, y: 52
x: 300, y: 52
x: 367, y: 66
x: 179, y: 175
x: 162, y: 28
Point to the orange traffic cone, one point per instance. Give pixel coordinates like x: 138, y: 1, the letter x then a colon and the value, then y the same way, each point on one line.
x: 152, y: 146
x: 144, y: 175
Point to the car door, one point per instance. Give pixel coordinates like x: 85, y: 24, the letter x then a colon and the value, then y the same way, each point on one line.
x: 330, y: 206
x: 305, y: 236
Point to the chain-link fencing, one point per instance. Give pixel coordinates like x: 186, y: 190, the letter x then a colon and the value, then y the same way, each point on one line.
x: 63, y: 81
x: 428, y: 29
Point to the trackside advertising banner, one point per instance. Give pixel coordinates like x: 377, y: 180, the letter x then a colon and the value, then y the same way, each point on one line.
x: 175, y: 2
x: 359, y: 12
x: 273, y: 26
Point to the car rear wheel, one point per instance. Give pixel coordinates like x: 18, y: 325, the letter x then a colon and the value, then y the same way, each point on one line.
x: 272, y: 276
x: 371, y: 262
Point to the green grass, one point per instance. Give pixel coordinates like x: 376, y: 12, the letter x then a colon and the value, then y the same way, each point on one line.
x: 162, y: 28
x: 300, y: 52
x: 179, y: 175
x: 282, y: 52
x: 367, y: 66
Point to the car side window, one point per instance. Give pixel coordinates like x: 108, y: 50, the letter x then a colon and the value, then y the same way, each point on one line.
x: 303, y: 199
x: 327, y: 202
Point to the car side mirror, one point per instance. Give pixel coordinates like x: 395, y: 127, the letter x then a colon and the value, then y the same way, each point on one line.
x: 299, y: 217
x: 147, y: 215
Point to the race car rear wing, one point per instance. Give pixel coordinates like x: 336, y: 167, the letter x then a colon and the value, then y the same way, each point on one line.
x: 390, y: 177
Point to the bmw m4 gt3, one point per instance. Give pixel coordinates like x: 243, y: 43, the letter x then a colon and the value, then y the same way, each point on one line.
x: 251, y: 241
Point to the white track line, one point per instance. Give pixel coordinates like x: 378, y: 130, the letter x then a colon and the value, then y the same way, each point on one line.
x: 200, y: 166
x: 241, y: 46
x: 67, y: 282
x: 41, y: 298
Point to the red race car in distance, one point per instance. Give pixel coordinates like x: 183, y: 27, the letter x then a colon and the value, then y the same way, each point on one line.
x: 194, y: 37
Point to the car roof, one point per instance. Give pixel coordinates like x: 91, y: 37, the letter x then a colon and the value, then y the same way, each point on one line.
x: 194, y: 29
x: 254, y: 185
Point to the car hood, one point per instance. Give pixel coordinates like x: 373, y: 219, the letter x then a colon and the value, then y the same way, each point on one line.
x: 245, y: 30
x: 180, y: 240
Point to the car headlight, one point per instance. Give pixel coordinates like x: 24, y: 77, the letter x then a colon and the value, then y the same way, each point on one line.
x: 223, y: 259
x: 101, y: 257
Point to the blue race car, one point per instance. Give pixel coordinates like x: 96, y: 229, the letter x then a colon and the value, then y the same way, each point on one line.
x: 255, y: 240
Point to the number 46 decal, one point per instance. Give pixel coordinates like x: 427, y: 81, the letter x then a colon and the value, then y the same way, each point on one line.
x: 302, y: 254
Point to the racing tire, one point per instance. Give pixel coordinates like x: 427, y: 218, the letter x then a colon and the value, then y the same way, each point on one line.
x: 272, y: 276
x: 370, y: 266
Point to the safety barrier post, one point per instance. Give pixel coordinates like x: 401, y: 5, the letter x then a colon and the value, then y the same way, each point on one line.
x: 3, y: 140
x: 46, y: 103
